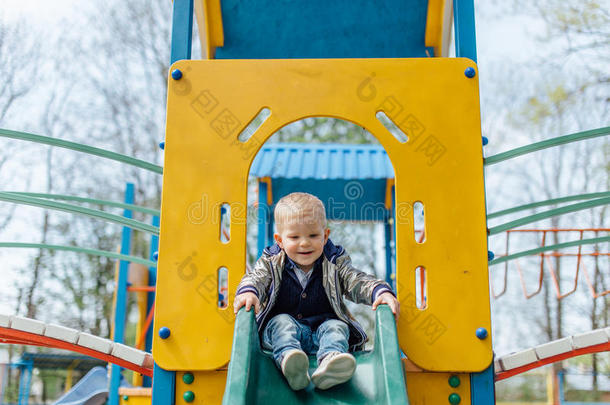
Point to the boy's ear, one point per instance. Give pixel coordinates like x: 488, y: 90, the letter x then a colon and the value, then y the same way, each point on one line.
x: 326, y: 234
x: 278, y: 240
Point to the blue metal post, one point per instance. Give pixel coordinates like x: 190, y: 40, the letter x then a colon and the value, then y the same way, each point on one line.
x: 482, y: 388
x: 182, y: 30
x: 465, y: 34
x: 121, y: 299
x: 560, y: 375
x: 481, y: 384
x: 22, y: 377
x: 164, y: 386
x: 25, y: 380
x: 263, y: 217
x: 150, y: 297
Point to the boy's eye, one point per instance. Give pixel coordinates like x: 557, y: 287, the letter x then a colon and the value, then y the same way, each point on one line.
x: 313, y: 235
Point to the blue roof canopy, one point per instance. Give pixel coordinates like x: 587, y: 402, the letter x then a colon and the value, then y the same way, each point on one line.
x: 351, y: 180
x: 324, y: 161
x: 62, y: 361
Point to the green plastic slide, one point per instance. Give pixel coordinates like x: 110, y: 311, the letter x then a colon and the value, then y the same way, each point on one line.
x: 253, y: 377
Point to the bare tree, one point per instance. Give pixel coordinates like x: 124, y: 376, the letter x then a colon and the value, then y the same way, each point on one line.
x: 128, y: 83
x: 578, y: 34
x: 19, y: 65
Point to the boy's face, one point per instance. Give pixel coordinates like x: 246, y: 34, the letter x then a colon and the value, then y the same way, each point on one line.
x: 303, y: 240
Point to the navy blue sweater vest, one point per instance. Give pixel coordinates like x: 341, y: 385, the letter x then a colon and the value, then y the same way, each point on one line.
x: 309, y: 306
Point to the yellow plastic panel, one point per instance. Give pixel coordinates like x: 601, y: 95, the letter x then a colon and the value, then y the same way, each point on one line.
x: 438, y: 26
x: 209, y: 22
x: 441, y: 165
x: 434, y: 388
x: 135, y: 396
x: 208, y: 387
x: 131, y: 400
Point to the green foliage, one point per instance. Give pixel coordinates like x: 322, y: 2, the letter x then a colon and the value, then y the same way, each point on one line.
x: 528, y: 387
x: 537, y: 110
x: 581, y: 395
x: 53, y: 382
x: 586, y: 362
x: 551, y: 102
x: 11, y: 391
x: 569, y: 16
x: 323, y: 129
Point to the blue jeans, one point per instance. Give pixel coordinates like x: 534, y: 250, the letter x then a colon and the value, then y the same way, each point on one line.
x: 284, y: 333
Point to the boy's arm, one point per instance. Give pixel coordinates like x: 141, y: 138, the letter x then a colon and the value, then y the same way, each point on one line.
x: 256, y: 280
x: 358, y: 286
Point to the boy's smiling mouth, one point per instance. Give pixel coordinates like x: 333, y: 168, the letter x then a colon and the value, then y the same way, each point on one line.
x: 305, y: 253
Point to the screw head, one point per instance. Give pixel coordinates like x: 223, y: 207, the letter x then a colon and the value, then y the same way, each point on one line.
x: 162, y: 145
x: 470, y: 72
x: 454, y: 381
x: 125, y: 398
x: 485, y: 141
x: 481, y: 333
x: 454, y: 399
x: 490, y: 255
x: 156, y: 256
x: 176, y: 74
x: 189, y: 396
x: 164, y: 332
x: 188, y: 378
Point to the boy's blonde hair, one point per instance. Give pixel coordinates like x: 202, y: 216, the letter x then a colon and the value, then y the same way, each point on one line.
x: 299, y: 207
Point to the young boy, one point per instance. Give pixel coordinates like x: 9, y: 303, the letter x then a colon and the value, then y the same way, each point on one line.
x: 296, y: 289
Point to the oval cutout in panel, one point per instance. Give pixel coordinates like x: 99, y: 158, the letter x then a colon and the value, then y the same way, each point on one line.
x: 254, y: 125
x: 225, y: 223
x: 391, y: 127
x: 419, y: 222
x: 421, y: 288
x: 223, y: 287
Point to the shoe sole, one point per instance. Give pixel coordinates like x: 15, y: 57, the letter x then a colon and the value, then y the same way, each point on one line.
x: 295, y: 370
x: 337, y: 371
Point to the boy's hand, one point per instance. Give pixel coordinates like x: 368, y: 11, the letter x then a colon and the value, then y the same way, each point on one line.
x: 248, y: 299
x: 387, y: 298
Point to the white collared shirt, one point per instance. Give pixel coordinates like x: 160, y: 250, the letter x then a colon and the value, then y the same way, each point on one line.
x: 302, y: 276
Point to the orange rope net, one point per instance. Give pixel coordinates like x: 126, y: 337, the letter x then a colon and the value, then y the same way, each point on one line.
x: 547, y: 263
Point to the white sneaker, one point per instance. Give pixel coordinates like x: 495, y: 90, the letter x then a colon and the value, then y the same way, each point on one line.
x: 335, y: 368
x: 295, y: 366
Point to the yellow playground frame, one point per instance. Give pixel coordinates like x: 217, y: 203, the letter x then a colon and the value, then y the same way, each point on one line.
x: 432, y: 101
